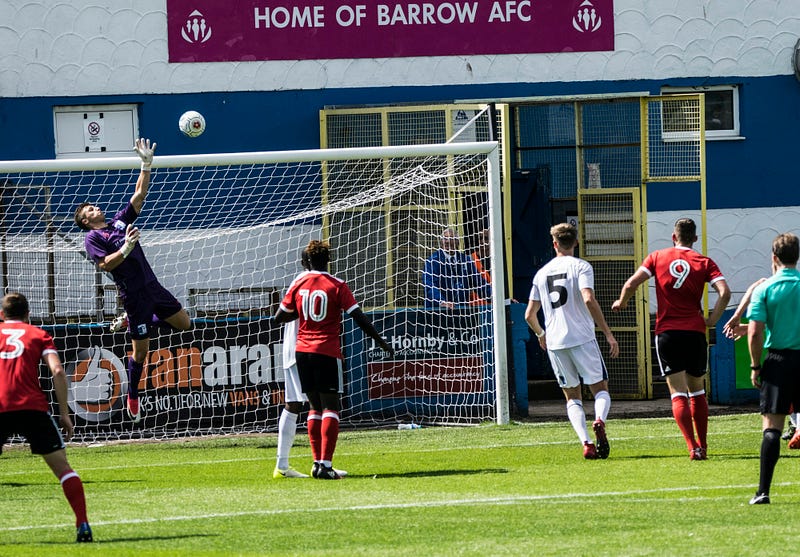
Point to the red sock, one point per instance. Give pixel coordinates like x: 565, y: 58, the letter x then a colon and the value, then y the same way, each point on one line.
x: 73, y: 490
x: 683, y: 416
x: 699, y: 405
x: 330, y: 433
x: 315, y: 434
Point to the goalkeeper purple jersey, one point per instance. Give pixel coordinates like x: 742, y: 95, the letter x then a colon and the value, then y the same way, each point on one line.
x: 134, y: 273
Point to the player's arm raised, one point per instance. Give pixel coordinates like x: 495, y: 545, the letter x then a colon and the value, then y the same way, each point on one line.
x: 145, y: 151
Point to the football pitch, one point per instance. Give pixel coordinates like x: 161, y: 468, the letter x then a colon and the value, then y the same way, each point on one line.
x: 522, y: 489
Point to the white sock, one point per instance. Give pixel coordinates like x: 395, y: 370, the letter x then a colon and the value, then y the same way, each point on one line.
x: 577, y: 417
x: 793, y: 418
x: 602, y: 404
x: 287, y: 428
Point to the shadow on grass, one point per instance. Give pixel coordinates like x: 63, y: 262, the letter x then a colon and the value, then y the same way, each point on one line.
x: 432, y: 473
x: 711, y: 457
x: 113, y: 540
x: 51, y: 482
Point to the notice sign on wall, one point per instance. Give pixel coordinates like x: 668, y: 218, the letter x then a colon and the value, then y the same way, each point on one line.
x: 249, y: 30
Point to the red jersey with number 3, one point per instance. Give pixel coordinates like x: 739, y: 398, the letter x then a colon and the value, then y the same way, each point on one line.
x: 681, y: 274
x: 319, y: 298
x: 21, y: 349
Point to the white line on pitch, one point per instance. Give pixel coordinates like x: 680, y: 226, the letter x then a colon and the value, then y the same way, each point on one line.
x: 417, y: 504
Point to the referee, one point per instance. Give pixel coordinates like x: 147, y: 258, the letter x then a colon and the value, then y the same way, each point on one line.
x: 774, y: 316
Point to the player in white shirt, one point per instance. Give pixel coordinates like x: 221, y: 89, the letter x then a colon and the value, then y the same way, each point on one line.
x: 294, y: 399
x: 564, y: 290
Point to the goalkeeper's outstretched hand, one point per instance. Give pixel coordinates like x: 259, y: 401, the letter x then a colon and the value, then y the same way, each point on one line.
x: 145, y: 151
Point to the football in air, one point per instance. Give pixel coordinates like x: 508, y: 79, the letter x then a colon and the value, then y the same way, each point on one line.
x: 192, y: 123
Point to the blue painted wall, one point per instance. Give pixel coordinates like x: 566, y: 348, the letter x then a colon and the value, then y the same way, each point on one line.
x: 760, y: 171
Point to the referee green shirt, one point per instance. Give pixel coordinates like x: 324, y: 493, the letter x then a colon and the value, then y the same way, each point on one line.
x: 776, y: 302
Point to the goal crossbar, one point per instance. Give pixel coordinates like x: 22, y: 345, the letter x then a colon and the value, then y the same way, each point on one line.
x: 253, y: 157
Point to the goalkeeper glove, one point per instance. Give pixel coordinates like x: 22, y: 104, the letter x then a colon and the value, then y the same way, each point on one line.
x: 131, y: 239
x: 145, y: 152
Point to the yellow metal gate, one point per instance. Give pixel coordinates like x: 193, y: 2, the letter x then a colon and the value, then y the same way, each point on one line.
x: 610, y: 223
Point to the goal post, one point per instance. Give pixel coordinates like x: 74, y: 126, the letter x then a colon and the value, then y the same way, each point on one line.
x: 223, y: 232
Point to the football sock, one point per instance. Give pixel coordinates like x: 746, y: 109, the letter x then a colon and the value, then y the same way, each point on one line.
x: 135, y: 370
x: 602, y: 404
x: 287, y: 428
x: 577, y: 417
x: 683, y: 416
x: 315, y: 434
x: 73, y: 490
x: 770, y: 451
x: 330, y: 434
x: 699, y: 407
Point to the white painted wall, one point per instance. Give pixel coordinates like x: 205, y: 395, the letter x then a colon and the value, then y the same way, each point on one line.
x: 83, y: 47
x: 739, y: 241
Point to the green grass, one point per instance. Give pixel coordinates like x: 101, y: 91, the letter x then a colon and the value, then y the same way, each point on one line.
x: 522, y: 489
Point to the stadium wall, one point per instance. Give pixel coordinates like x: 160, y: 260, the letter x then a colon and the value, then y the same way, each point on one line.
x: 79, y: 52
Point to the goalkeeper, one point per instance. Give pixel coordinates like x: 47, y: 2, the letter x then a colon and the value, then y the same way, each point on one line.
x: 114, y: 246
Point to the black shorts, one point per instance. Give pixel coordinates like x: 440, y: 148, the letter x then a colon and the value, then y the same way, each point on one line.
x: 319, y: 373
x: 780, y: 382
x: 678, y: 351
x: 38, y: 428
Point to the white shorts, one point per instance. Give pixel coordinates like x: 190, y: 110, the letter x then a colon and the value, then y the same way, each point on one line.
x: 570, y: 365
x: 293, y: 391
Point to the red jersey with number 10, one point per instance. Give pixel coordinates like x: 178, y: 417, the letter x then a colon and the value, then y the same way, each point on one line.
x: 319, y: 298
x: 681, y: 274
x: 21, y: 349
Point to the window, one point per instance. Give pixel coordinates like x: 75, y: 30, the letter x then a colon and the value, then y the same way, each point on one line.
x: 108, y: 130
x: 722, y: 110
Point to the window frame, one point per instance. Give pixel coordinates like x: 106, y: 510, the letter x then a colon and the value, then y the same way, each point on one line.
x: 734, y: 132
x: 127, y: 115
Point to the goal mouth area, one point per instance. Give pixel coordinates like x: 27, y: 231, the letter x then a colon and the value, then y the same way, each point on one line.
x: 223, y: 233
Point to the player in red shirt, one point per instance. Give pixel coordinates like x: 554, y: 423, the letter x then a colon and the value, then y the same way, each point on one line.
x: 24, y: 409
x: 681, y: 347
x: 318, y: 299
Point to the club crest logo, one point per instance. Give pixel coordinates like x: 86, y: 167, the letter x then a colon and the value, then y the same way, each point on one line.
x: 98, y: 381
x: 587, y: 20
x: 196, y: 29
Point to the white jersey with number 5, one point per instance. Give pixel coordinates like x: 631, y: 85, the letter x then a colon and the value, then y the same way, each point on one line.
x: 558, y: 286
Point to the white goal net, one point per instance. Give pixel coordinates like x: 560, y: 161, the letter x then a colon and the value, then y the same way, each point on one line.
x: 223, y: 233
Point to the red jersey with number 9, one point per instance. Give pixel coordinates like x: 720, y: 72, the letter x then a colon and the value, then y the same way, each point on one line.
x: 21, y: 349
x: 681, y: 274
x: 319, y: 298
